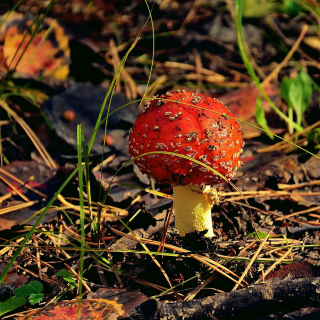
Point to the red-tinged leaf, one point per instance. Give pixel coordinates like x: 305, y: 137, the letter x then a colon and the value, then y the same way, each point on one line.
x: 32, y: 184
x: 32, y: 174
x: 95, y: 309
x: 3, y: 67
x: 20, y: 174
x: 242, y: 103
x: 47, y: 55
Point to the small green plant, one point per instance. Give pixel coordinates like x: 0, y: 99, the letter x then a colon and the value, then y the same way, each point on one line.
x: 67, y: 276
x: 297, y: 92
x: 314, y: 137
x: 31, y: 292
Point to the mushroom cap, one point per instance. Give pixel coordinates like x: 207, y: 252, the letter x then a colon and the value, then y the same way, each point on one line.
x: 193, y: 125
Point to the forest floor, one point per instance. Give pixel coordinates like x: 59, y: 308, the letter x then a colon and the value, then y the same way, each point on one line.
x: 263, y: 262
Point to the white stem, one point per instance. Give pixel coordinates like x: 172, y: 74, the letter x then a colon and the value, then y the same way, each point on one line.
x: 193, y: 209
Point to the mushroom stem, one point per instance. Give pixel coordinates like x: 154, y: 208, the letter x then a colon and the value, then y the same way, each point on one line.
x: 193, y: 208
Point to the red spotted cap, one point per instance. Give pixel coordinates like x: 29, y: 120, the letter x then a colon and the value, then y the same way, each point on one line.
x: 193, y: 125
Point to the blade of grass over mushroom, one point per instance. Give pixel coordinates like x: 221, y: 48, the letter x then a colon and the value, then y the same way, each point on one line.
x: 248, y: 65
x: 178, y: 155
x: 27, y: 237
x: 239, y: 120
x: 247, y: 123
x: 167, y: 153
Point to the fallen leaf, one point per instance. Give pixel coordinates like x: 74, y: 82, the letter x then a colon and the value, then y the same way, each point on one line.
x: 24, y: 174
x: 85, y: 101
x: 242, y: 102
x: 47, y: 54
x: 94, y: 309
x: 34, y: 182
x: 6, y: 20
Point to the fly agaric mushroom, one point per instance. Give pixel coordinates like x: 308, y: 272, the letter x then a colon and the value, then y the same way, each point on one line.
x: 196, y: 126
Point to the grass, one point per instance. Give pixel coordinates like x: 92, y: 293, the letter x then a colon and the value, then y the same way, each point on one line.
x: 278, y: 251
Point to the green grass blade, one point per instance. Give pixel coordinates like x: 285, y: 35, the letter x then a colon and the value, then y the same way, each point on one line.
x: 248, y: 65
x: 153, y: 47
x: 80, y: 138
x: 111, y: 88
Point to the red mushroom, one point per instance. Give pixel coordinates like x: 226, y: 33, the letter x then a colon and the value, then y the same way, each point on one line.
x: 187, y: 126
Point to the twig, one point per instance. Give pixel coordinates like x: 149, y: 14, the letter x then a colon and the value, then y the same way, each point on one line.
x: 78, y: 278
x: 14, y: 190
x: 252, y: 260
x: 274, y: 265
x: 298, y: 213
x: 17, y: 207
x: 276, y: 71
x: 37, y: 143
x: 252, y: 302
x: 38, y: 259
x: 22, y: 183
